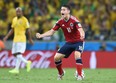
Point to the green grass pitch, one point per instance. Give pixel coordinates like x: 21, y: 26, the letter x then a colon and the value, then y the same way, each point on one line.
x: 50, y: 76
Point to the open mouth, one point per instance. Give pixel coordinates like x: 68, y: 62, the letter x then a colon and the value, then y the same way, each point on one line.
x: 62, y: 13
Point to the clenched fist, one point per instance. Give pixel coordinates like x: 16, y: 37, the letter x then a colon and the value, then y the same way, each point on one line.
x: 38, y: 35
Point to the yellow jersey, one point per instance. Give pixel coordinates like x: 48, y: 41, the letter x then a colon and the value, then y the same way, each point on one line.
x: 20, y: 25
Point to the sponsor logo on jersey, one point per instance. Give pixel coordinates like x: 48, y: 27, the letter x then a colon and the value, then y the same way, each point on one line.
x: 79, y: 24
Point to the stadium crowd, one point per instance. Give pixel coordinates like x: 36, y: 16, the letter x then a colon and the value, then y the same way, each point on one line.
x: 98, y: 17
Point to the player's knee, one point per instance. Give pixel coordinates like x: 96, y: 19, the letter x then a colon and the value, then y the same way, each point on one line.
x: 15, y: 54
x: 56, y: 58
x: 77, y: 54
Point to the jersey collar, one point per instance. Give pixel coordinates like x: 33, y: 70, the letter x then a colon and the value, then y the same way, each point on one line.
x: 67, y: 19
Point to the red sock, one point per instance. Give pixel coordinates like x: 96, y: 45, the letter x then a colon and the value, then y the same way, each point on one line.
x: 59, y: 68
x: 79, y: 69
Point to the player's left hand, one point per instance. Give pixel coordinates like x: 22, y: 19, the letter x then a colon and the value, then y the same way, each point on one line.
x: 82, y: 37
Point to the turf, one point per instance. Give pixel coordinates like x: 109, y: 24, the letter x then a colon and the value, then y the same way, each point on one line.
x: 49, y: 76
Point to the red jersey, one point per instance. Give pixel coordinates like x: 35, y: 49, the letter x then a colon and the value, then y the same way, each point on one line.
x: 70, y: 29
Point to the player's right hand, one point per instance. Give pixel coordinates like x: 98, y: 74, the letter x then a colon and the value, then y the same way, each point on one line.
x: 38, y: 35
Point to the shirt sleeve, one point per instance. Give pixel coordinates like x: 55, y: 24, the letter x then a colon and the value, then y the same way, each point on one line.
x: 12, y: 26
x: 27, y: 24
x: 78, y: 25
x: 56, y: 26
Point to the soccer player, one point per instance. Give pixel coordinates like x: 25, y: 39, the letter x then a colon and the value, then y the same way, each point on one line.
x: 74, y: 36
x: 19, y: 26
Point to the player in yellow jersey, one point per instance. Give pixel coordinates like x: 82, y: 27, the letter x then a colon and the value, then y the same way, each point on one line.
x: 19, y: 26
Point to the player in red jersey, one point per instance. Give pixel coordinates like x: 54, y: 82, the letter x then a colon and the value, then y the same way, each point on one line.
x: 74, y: 36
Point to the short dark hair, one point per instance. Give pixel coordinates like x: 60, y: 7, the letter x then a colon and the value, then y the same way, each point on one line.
x: 67, y: 6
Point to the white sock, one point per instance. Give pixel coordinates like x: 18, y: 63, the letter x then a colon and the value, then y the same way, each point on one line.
x: 18, y: 62
x: 22, y: 58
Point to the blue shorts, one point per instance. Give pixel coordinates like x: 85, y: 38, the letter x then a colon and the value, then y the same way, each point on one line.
x: 68, y: 48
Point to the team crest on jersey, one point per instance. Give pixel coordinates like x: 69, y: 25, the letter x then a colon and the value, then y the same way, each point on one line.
x: 71, y: 24
x: 20, y: 22
x: 63, y: 25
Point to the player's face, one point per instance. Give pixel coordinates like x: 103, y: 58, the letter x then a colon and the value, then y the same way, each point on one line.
x: 64, y: 12
x: 19, y: 12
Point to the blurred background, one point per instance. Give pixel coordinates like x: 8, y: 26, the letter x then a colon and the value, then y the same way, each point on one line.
x: 98, y: 18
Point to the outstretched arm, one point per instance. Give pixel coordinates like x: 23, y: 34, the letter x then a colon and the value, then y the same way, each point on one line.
x: 8, y: 35
x: 46, y: 34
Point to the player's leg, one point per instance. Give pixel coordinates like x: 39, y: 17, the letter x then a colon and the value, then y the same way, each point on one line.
x: 58, y: 61
x: 18, y: 61
x: 21, y: 49
x: 17, y: 50
x: 79, y: 64
x: 63, y: 52
x: 21, y: 58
